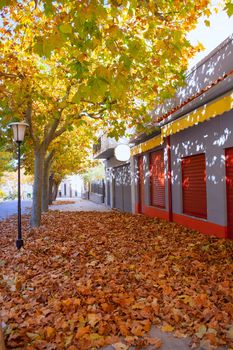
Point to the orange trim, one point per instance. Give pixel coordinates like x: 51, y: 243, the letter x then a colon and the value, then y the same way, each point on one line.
x: 202, y: 226
x: 156, y: 212
x: 198, y: 94
x: 206, y: 227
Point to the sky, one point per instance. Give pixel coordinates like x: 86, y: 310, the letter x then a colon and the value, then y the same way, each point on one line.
x: 221, y: 26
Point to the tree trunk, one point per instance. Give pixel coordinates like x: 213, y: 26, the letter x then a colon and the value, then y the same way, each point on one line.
x: 51, y: 182
x: 37, y: 187
x: 55, y: 190
x: 45, y: 188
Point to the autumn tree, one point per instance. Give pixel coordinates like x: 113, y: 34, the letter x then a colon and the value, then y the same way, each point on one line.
x: 75, y: 161
x: 64, y: 61
x: 5, y: 154
x: 66, y: 155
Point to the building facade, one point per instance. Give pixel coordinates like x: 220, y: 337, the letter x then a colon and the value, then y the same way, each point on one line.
x: 71, y: 186
x: 184, y: 173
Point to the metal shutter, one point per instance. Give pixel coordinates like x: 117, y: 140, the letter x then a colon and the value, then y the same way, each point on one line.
x: 194, y: 186
x: 108, y: 192
x: 126, y: 182
x: 141, y: 183
x: 229, y: 184
x: 157, y: 179
x: 122, y: 188
x: 118, y: 193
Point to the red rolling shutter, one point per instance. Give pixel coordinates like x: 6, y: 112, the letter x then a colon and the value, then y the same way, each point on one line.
x: 194, y: 186
x: 229, y: 184
x: 157, y: 179
x: 141, y: 183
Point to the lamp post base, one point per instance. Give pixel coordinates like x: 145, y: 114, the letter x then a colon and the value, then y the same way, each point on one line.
x: 19, y: 243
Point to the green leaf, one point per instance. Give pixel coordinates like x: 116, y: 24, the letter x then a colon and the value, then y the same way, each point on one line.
x: 229, y: 8
x: 65, y: 28
x: 201, y: 331
x: 38, y: 47
x: 76, y: 98
x: 48, y: 7
x: 4, y: 3
x: 207, y: 23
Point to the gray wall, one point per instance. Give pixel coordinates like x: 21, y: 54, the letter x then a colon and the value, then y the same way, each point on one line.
x: 211, y: 138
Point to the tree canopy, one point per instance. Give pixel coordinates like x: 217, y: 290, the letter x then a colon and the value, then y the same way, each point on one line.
x: 95, y: 63
x: 114, y: 57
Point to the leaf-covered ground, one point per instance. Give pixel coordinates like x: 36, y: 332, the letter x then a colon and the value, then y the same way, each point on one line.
x: 86, y: 279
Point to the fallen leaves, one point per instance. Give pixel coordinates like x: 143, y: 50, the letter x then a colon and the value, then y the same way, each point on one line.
x: 81, y: 331
x: 167, y: 328
x: 86, y: 280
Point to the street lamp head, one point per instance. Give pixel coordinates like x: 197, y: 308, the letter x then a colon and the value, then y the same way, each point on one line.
x: 18, y: 130
x: 122, y: 152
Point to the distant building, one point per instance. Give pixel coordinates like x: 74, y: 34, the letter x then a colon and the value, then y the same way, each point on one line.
x: 72, y: 186
x: 9, y: 185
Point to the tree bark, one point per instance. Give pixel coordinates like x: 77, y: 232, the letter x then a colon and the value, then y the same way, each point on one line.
x: 55, y: 190
x: 37, y: 187
x: 45, y: 188
x: 51, y: 182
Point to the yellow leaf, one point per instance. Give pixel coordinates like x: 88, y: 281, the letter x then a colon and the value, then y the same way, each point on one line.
x: 167, y: 328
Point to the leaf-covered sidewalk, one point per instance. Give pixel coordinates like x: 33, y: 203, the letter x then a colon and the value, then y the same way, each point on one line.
x: 86, y: 279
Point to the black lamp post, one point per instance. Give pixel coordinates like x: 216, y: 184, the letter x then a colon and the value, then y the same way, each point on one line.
x: 19, y: 129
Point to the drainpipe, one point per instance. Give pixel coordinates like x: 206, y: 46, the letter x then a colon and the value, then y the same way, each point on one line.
x: 170, y: 212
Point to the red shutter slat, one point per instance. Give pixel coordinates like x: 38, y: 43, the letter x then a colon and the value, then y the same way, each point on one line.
x: 194, y: 185
x: 141, y: 183
x: 157, y: 179
x: 229, y: 185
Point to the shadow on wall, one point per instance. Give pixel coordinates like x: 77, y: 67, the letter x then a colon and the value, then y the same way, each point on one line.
x: 210, y: 71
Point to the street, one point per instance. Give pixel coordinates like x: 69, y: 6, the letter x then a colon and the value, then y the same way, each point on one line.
x: 9, y: 208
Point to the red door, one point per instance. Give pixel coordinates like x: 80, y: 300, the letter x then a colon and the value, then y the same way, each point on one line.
x: 141, y: 184
x: 194, y: 186
x: 229, y: 185
x: 157, y: 179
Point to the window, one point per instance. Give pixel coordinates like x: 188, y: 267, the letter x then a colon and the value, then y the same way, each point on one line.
x: 157, y: 179
x: 194, y: 185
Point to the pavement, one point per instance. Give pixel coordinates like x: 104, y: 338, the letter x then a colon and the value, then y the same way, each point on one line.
x: 169, y: 342
x: 79, y: 205
x: 9, y: 208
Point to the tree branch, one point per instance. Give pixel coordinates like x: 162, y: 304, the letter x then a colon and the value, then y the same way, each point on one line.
x: 50, y: 135
x: 10, y: 75
x: 28, y: 117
